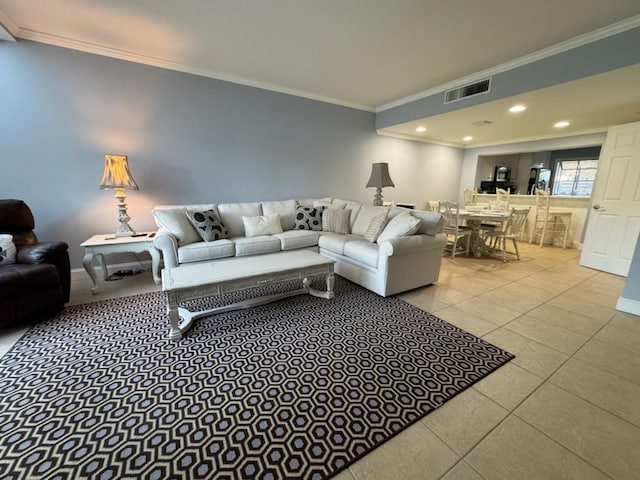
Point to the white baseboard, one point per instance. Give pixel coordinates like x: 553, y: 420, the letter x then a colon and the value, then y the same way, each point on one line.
x: 628, y: 305
x: 81, y: 273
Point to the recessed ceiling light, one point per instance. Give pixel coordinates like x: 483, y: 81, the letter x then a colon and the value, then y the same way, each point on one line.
x: 467, y: 138
x: 421, y: 129
x: 561, y: 124
x: 517, y: 109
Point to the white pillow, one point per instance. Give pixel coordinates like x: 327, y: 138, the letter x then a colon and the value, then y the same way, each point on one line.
x: 365, y: 215
x: 175, y: 220
x: 7, y: 249
x: 262, y: 225
x: 401, y: 225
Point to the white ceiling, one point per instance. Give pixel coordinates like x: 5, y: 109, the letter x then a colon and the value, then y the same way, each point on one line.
x: 359, y: 53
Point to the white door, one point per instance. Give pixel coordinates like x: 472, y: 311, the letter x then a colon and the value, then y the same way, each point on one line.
x: 614, y: 218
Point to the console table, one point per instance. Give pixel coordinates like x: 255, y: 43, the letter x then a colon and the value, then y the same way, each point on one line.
x: 100, y: 245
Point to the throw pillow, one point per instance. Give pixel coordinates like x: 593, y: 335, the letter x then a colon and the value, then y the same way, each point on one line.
x: 262, y: 225
x: 7, y: 249
x: 376, y: 226
x: 336, y: 220
x: 308, y: 218
x: 174, y: 220
x: 401, y: 225
x: 208, y: 225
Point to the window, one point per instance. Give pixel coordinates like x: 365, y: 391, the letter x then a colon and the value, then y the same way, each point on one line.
x: 574, y: 177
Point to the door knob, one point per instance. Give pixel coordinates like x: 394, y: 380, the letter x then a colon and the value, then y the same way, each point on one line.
x: 597, y: 207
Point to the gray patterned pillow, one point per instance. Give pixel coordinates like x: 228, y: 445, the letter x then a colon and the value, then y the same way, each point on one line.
x: 336, y: 220
x: 208, y: 225
x: 308, y: 218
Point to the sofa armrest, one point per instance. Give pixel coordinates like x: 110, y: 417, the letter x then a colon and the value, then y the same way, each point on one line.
x: 412, y: 244
x: 55, y: 253
x: 167, y: 243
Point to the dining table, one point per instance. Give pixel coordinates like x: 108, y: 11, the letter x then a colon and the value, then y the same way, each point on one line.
x: 477, y: 220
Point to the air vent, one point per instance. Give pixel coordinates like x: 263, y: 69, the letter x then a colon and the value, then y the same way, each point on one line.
x: 467, y: 91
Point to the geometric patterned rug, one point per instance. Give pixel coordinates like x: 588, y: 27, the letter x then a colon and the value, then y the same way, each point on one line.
x: 299, y: 388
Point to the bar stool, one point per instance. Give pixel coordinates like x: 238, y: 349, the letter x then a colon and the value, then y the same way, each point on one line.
x: 548, y: 220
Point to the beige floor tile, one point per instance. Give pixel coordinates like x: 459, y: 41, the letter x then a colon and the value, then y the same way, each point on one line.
x: 424, y: 299
x: 509, y: 385
x: 558, y: 338
x: 530, y: 355
x: 599, y: 312
x: 608, y: 391
x: 593, y: 295
x: 9, y: 336
x: 450, y: 296
x: 572, y: 321
x: 608, y: 442
x: 465, y: 419
x: 465, y: 321
x: 620, y: 337
x: 517, y: 451
x: 471, y: 285
x: 519, y: 302
x: 489, y: 311
x: 415, y: 454
x: 626, y: 320
x: 621, y: 362
x: 344, y: 475
x: 462, y: 471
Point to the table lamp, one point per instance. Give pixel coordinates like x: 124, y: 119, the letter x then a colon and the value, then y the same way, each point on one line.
x: 117, y: 175
x: 379, y: 178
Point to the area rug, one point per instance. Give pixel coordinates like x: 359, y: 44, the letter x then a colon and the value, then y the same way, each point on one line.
x: 300, y: 388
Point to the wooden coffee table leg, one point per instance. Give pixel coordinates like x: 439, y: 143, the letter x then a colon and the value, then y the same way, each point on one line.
x: 318, y: 293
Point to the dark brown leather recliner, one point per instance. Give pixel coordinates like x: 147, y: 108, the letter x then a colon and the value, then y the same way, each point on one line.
x: 38, y: 283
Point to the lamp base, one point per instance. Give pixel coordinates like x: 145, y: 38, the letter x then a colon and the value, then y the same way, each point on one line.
x: 124, y: 230
x: 377, y: 198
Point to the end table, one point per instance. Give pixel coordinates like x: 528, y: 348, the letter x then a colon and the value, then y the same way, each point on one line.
x: 100, y: 245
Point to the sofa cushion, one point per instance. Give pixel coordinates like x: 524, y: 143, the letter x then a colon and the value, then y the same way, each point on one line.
x: 256, y: 245
x: 376, y: 227
x: 329, y: 204
x: 231, y: 215
x: 401, y: 225
x: 262, y: 225
x: 362, y: 251
x: 308, y: 202
x: 7, y: 249
x: 336, y: 220
x: 207, y: 225
x: 285, y: 208
x: 200, y: 251
x: 297, y: 239
x: 308, y: 218
x: 176, y: 221
x: 365, y: 215
x: 335, y: 243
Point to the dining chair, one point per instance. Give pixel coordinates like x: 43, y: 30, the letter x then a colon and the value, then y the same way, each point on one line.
x: 453, y: 229
x: 548, y: 220
x: 497, y: 239
x: 469, y: 196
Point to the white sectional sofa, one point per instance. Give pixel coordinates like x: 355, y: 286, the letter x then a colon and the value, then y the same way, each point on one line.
x: 385, y: 249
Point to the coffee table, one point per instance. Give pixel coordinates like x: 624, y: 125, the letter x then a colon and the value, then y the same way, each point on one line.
x: 208, y: 279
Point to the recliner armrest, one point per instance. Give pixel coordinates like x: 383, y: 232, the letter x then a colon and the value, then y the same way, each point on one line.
x: 55, y: 253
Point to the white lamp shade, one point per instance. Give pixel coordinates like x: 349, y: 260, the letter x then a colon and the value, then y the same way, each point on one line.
x: 380, y: 176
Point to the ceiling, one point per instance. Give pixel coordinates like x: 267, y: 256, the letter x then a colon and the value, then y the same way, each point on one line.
x: 364, y: 54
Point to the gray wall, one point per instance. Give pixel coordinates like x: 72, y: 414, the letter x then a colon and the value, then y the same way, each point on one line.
x: 189, y: 139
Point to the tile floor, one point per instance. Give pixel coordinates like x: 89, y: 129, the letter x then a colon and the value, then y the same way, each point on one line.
x: 567, y: 407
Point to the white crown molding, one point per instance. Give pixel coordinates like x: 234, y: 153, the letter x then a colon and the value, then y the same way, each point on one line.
x: 86, y: 47
x: 466, y: 146
x: 430, y: 141
x: 579, y: 41
x: 8, y: 29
